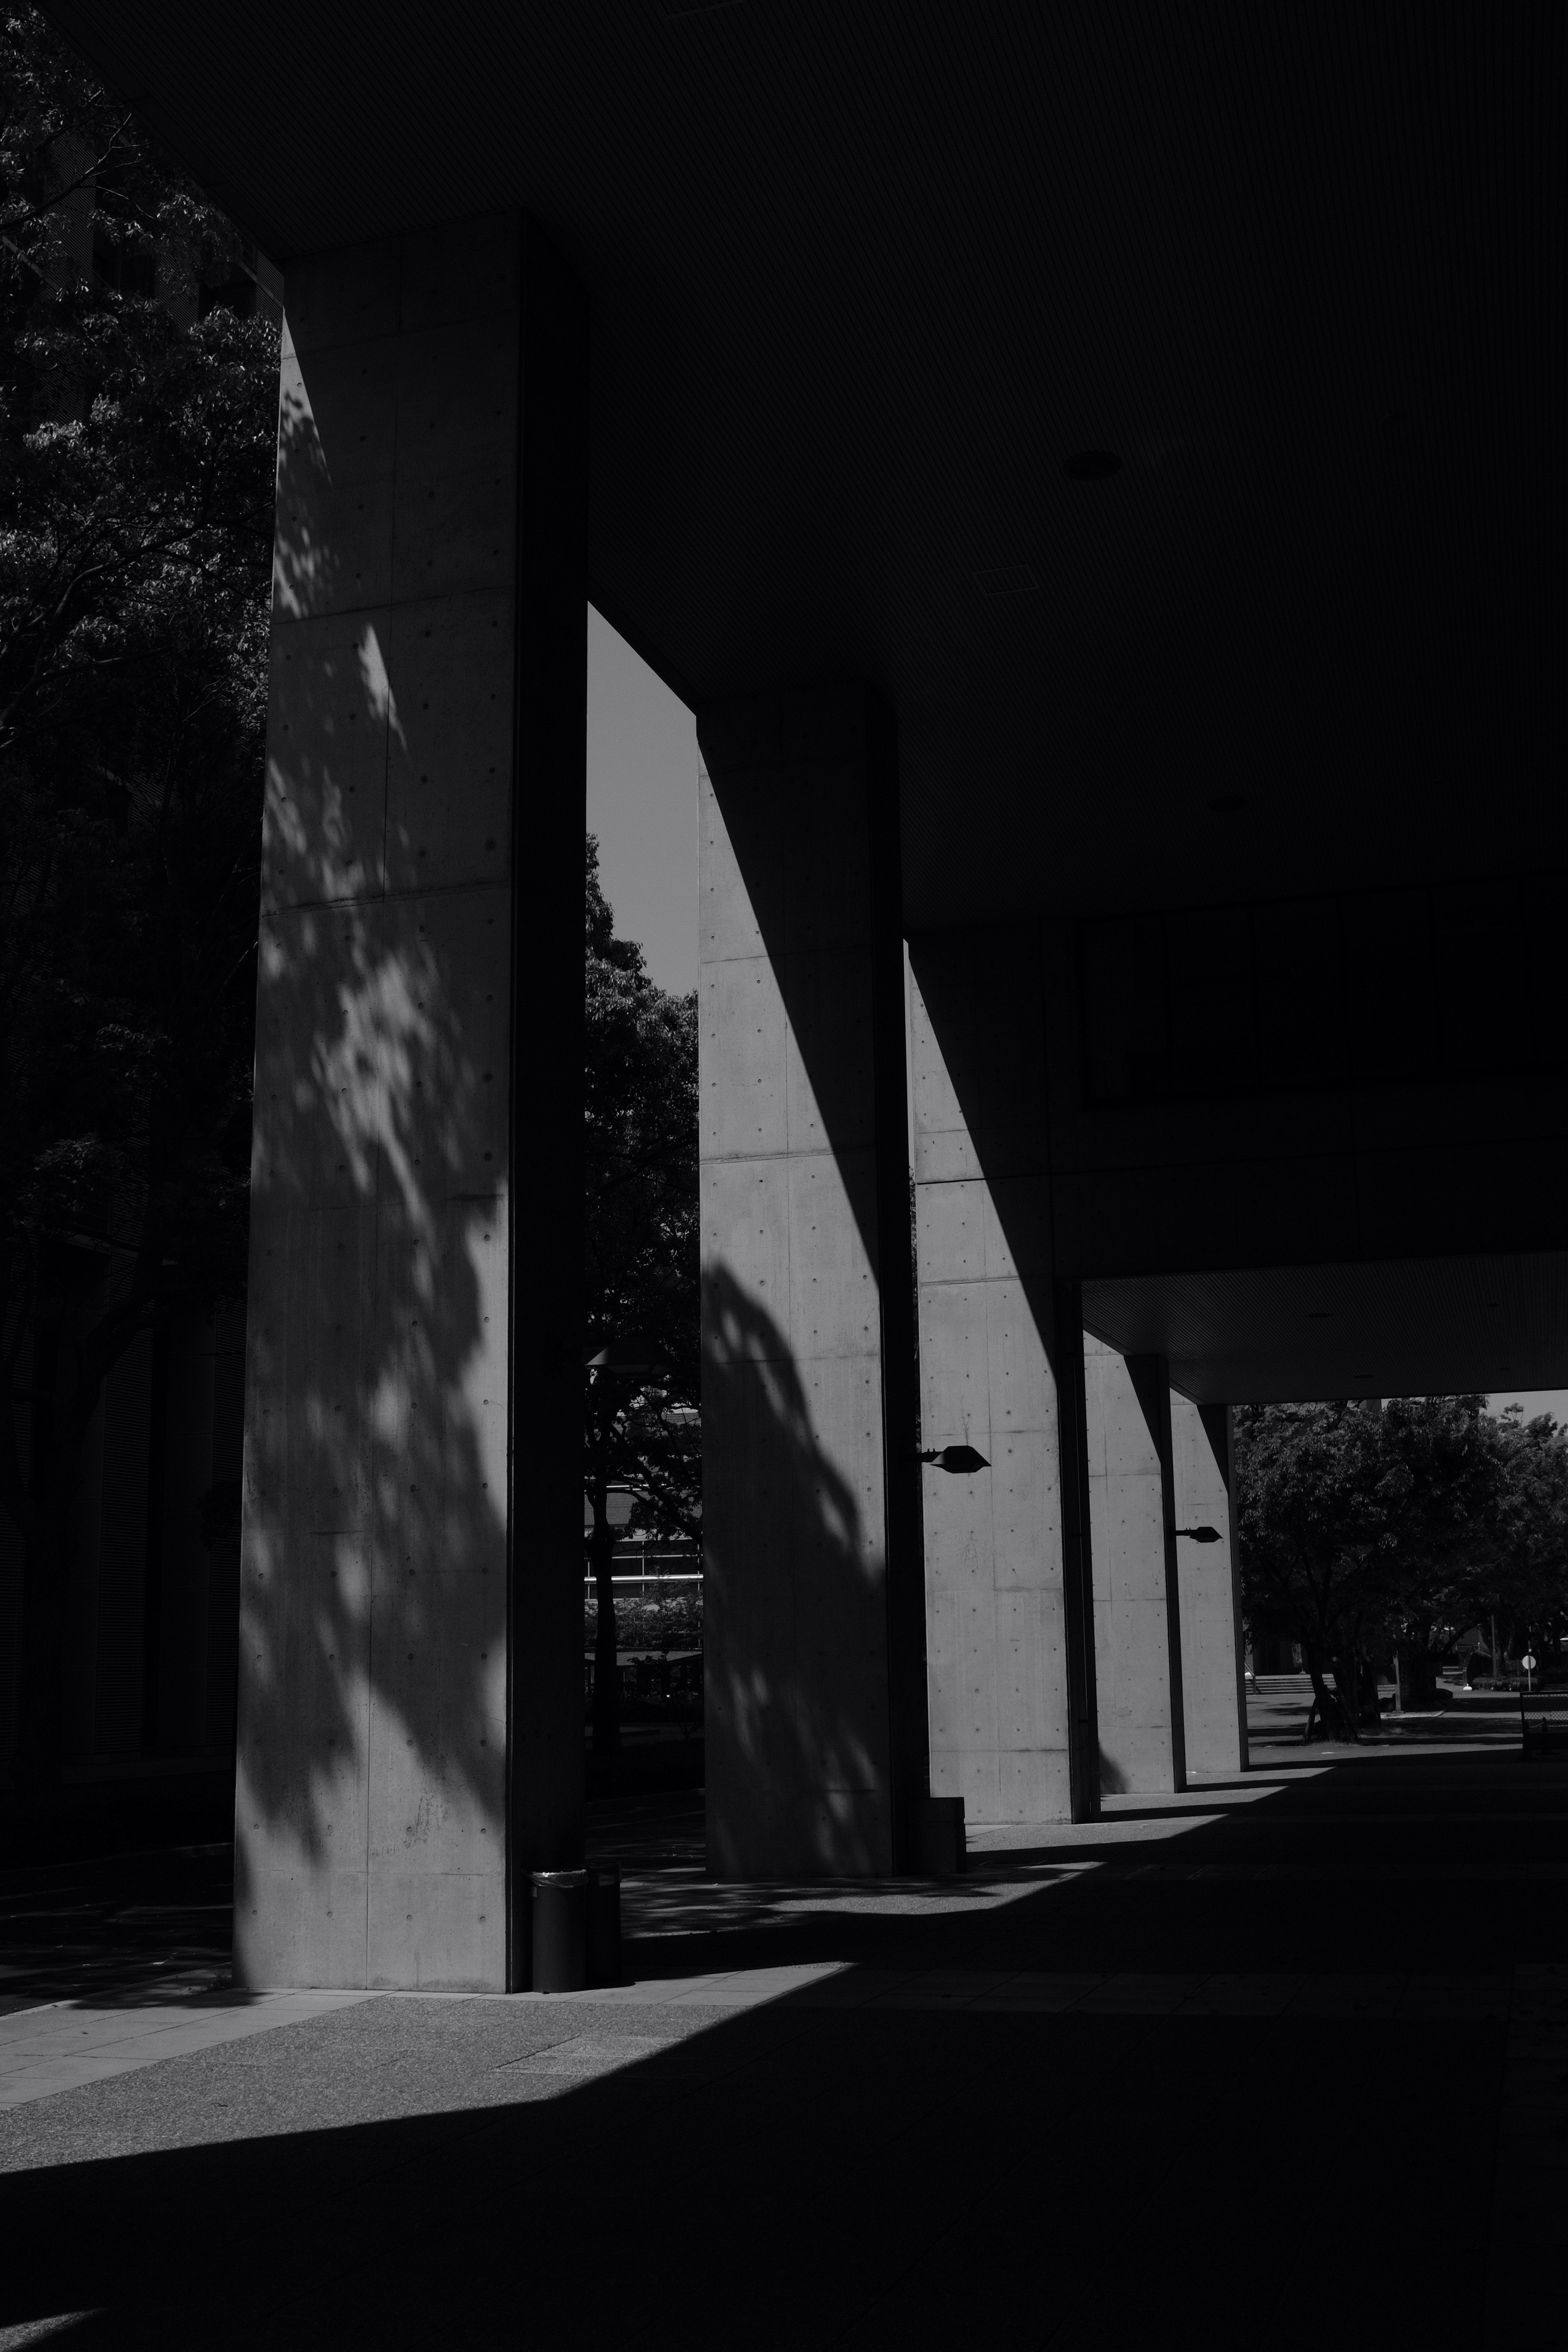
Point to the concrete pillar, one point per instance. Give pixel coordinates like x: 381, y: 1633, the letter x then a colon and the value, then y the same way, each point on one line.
x: 409, y: 1736
x: 813, y: 1628
x: 1136, y: 1618
x: 1011, y: 1667
x: 1214, y: 1694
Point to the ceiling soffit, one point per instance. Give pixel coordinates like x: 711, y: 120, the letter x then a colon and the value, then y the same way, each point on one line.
x: 862, y: 280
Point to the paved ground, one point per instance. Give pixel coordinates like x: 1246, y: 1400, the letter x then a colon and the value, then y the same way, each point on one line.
x: 1278, y: 1706
x: 1280, y: 2062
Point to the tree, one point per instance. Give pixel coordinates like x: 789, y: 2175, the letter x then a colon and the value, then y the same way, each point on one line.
x: 640, y: 1425
x: 1313, y: 1531
x: 1525, y: 1578
x: 1441, y: 1489
x: 136, y: 487
x: 1371, y: 1530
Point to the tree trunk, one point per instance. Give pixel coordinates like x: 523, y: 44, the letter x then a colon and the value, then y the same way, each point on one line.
x: 1346, y: 1670
x: 1418, y: 1672
x: 1370, y: 1709
x: 1326, y: 1718
x: 606, y: 1668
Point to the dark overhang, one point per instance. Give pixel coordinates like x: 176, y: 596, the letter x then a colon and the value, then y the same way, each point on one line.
x: 866, y: 279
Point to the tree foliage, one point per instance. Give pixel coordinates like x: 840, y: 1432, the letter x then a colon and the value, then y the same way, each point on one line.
x: 640, y: 1425
x: 642, y: 1209
x: 1527, y: 1581
x: 137, y: 428
x: 1370, y: 1531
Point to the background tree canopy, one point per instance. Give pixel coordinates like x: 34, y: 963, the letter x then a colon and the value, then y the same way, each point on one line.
x: 1373, y: 1531
x: 640, y: 1425
x: 138, y: 409
x: 138, y: 402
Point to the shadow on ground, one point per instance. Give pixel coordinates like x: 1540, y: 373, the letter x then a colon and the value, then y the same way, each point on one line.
x: 880, y: 2157
x: 122, y: 1928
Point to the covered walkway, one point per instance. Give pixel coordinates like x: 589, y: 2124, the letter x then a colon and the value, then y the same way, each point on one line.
x: 1180, y: 2076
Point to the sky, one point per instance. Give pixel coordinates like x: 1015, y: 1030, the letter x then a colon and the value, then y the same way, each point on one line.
x: 642, y: 804
x: 1536, y: 1401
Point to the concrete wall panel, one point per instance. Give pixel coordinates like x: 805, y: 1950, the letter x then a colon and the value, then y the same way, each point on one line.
x: 997, y: 1661
x: 433, y: 1929
x: 1033, y: 1785
x: 1214, y: 1701
x: 353, y: 398
x: 383, y: 1603
x: 1025, y: 1509
x: 800, y: 1733
x: 745, y: 1222
x: 834, y: 1308
x: 308, y: 1449
x: 448, y: 754
x: 302, y: 1923
x: 302, y: 1804
x: 1139, y: 1752
x: 1020, y: 1394
x: 1033, y: 1663
x: 828, y: 1053
x: 324, y: 821
x: 955, y: 1373
x: 952, y: 1230
x: 741, y: 1035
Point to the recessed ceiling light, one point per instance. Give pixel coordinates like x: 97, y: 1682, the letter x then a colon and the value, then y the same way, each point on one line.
x: 1092, y: 464
x: 1227, y: 803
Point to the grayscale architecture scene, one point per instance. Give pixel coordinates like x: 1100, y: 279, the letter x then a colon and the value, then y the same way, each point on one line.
x: 827, y: 1655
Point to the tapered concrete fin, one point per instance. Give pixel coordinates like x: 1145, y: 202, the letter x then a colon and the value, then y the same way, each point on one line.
x: 410, y: 1727
x: 1214, y: 1697
x: 1138, y: 1641
x: 814, y: 1628
x: 1011, y: 1674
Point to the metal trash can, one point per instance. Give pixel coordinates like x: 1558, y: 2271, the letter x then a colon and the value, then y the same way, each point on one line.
x: 604, y: 1922
x: 560, y: 1919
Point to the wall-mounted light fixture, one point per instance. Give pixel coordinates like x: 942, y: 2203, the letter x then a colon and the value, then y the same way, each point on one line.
x: 956, y: 1458
x: 1200, y: 1535
x: 634, y: 1358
